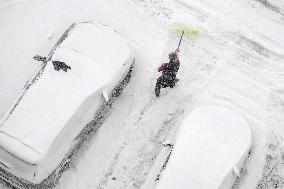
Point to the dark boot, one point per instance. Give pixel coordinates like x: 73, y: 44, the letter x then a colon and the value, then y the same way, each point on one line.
x: 159, y: 85
x: 172, y: 84
x: 157, y: 89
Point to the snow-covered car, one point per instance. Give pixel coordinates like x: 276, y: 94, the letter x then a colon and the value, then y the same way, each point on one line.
x: 210, y: 148
x: 57, y: 110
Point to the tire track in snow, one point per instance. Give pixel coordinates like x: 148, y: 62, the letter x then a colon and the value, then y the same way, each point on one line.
x: 134, y: 131
x: 127, y: 141
x: 110, y: 171
x: 156, y: 8
x: 270, y: 6
x: 273, y: 170
x: 148, y: 148
x: 9, y: 3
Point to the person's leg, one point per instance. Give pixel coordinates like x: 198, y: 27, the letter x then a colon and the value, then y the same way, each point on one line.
x: 172, y: 84
x: 159, y: 84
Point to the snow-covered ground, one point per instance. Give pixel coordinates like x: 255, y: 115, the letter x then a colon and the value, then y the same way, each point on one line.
x: 236, y: 61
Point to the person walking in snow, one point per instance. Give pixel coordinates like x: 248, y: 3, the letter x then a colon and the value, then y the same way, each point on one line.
x: 169, y: 71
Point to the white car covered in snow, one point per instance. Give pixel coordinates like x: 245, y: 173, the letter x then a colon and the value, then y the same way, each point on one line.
x: 209, y: 151
x: 57, y: 110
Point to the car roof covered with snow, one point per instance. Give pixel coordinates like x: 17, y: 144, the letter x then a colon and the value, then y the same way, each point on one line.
x: 96, y: 54
x: 211, y: 142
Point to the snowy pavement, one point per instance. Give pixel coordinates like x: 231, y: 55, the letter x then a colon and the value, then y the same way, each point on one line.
x: 235, y: 61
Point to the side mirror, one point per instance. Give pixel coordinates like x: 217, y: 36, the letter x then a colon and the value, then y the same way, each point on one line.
x: 39, y: 58
x: 168, y: 144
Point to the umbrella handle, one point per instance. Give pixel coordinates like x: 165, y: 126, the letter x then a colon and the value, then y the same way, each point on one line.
x: 180, y: 39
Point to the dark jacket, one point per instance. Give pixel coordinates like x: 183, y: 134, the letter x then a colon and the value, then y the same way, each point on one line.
x: 169, y: 70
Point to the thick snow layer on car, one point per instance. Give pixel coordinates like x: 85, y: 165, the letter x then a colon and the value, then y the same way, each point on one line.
x: 212, y: 144
x: 44, y: 123
x: 244, y: 36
